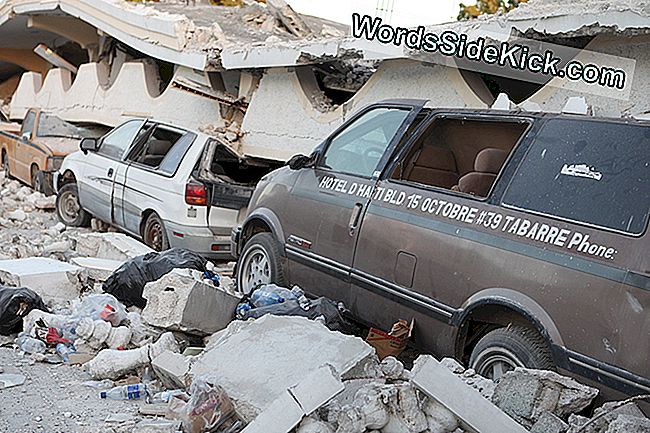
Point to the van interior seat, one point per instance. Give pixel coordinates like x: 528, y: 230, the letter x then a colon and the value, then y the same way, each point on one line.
x: 434, y: 166
x: 156, y: 151
x: 487, y: 165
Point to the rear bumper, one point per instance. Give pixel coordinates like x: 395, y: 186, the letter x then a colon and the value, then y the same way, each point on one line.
x: 235, y: 236
x: 200, y: 240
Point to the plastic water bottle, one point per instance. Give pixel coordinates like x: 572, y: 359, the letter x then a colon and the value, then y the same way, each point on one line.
x: 303, y: 301
x: 270, y: 294
x: 64, y: 351
x: 165, y: 396
x: 30, y: 345
x: 126, y: 392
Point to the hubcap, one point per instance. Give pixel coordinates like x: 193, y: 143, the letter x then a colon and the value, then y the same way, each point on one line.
x: 256, y: 270
x: 69, y: 208
x: 495, y: 362
x: 154, y: 236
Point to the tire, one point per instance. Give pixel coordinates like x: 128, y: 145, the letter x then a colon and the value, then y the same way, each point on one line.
x: 5, y: 165
x: 41, y: 184
x: 154, y: 234
x: 68, y: 208
x: 503, y: 349
x: 260, y: 263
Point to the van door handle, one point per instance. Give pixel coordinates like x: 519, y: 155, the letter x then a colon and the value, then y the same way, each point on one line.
x: 110, y: 172
x: 354, y: 218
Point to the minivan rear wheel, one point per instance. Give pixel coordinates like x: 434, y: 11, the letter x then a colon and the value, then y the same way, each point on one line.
x: 260, y: 263
x: 154, y: 233
x: 503, y: 349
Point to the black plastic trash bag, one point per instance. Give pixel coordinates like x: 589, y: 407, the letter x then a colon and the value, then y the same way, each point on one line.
x: 318, y: 307
x: 128, y: 281
x: 16, y: 303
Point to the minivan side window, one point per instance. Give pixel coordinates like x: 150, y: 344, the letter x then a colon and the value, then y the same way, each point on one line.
x: 590, y: 172
x: 460, y: 154
x: 118, y: 140
x: 358, y: 148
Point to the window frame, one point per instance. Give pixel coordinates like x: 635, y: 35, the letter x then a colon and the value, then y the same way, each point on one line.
x: 557, y: 217
x: 156, y: 170
x: 34, y: 124
x: 127, y: 149
x: 491, y: 197
x: 412, y: 110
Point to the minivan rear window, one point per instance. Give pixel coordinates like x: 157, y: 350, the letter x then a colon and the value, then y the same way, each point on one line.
x: 590, y: 172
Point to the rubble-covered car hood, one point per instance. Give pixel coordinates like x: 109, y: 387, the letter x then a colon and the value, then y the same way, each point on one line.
x: 59, y: 146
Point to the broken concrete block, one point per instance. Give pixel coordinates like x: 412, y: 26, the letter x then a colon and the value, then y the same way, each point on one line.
x: 629, y: 423
x: 112, y: 246
x: 46, y: 203
x: 16, y: 215
x: 406, y: 416
x: 182, y: 301
x: 603, y: 417
x: 112, y: 364
x: 51, y: 279
x: 298, y: 401
x: 526, y: 394
x: 549, y: 423
x: 439, y: 418
x: 96, y: 268
x: 475, y: 413
x: 313, y: 425
x: 257, y: 361
x: 172, y: 369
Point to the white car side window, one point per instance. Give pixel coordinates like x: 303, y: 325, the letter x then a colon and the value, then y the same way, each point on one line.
x: 117, y: 141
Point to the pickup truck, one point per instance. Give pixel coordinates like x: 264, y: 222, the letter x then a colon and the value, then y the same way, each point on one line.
x: 37, y: 149
x: 169, y: 186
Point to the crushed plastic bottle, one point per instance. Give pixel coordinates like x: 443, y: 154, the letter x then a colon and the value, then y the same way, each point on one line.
x: 29, y: 344
x: 165, y: 396
x: 64, y: 351
x: 302, y: 299
x: 126, y: 392
x: 270, y: 294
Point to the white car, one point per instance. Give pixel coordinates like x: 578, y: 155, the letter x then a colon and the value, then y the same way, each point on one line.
x: 168, y: 186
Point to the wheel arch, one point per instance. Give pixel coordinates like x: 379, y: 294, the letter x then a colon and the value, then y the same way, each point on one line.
x: 262, y: 220
x: 498, y: 307
x: 67, y: 177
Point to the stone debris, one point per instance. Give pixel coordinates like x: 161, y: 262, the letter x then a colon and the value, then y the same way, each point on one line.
x: 182, y: 301
x: 111, y: 246
x: 526, y: 395
x: 113, y: 364
x: 53, y: 280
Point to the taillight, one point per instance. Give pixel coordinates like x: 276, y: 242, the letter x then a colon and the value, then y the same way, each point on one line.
x: 196, y: 194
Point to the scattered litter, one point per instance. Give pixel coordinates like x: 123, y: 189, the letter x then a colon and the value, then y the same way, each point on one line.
x: 390, y: 343
x: 9, y: 380
x: 128, y: 281
x: 209, y: 408
x: 135, y: 391
x: 15, y: 304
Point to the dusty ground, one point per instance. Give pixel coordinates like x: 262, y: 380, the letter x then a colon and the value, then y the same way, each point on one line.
x: 53, y: 400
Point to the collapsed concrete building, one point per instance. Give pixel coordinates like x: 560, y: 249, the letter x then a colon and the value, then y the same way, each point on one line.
x: 275, y: 83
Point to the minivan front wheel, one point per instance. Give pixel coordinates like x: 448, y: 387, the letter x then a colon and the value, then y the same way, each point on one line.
x: 504, y: 349
x: 260, y: 263
x: 68, y: 208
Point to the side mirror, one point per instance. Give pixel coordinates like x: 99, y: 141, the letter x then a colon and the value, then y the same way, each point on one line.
x: 88, y: 144
x: 25, y: 136
x: 302, y: 161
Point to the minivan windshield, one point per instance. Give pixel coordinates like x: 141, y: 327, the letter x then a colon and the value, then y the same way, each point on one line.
x: 592, y: 172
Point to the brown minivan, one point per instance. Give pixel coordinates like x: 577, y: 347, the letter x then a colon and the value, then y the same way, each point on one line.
x: 512, y: 238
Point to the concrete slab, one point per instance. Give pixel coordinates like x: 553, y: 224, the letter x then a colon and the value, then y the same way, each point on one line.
x: 96, y: 268
x: 182, y: 301
x: 258, y: 361
x: 172, y: 369
x: 51, y: 279
x: 112, y: 246
x: 300, y: 400
x: 477, y: 414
